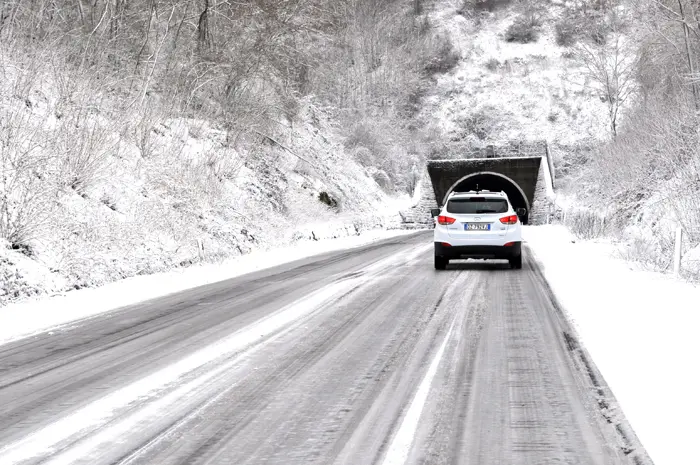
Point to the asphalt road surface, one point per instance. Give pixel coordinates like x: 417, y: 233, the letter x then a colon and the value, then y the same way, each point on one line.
x: 365, y: 356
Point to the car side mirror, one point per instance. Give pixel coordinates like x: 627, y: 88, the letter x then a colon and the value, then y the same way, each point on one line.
x: 434, y: 212
x: 521, y: 212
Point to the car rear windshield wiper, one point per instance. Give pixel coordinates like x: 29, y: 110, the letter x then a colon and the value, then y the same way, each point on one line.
x: 485, y: 211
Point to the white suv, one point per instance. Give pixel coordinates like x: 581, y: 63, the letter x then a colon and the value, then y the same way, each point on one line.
x: 478, y: 224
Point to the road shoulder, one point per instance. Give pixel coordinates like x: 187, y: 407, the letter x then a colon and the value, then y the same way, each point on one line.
x: 23, y: 319
x: 640, y: 329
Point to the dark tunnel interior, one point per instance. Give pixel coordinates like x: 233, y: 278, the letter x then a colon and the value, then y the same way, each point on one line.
x: 491, y: 182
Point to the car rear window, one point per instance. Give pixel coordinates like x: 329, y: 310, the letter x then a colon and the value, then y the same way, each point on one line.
x: 477, y: 205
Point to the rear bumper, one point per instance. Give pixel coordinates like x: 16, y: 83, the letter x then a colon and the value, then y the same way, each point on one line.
x: 478, y: 251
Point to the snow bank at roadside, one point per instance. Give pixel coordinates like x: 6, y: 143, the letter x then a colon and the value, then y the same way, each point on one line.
x: 26, y: 318
x: 640, y: 328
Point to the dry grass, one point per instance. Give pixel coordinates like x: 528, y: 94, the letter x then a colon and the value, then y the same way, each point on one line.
x: 584, y: 224
x: 525, y: 28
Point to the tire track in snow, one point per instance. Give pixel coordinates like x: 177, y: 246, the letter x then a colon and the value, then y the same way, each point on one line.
x: 400, y: 446
x: 82, y: 432
x: 74, y: 427
x: 396, y: 364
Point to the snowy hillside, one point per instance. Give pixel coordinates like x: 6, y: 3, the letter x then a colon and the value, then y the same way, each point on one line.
x: 507, y: 90
x: 192, y: 198
x: 150, y: 141
x: 604, y: 84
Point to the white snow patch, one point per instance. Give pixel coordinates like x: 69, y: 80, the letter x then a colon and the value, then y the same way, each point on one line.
x: 548, y: 180
x: 691, y: 261
x: 641, y: 329
x: 401, y: 444
x: 26, y: 318
x: 513, y: 91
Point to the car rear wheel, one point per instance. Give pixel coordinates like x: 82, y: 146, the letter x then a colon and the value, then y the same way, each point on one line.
x: 440, y: 262
x: 516, y: 262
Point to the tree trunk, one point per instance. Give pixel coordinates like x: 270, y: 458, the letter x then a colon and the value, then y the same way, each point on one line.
x: 204, y: 40
x: 417, y: 7
x: 686, y: 34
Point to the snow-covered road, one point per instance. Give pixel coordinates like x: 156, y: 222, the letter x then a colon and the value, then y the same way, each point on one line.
x: 354, y: 357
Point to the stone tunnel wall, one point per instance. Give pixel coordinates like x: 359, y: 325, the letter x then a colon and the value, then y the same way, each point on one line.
x: 509, y: 150
x: 523, y: 171
x: 418, y: 216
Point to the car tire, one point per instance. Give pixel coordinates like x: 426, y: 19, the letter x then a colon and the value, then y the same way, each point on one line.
x: 440, y: 262
x: 516, y: 262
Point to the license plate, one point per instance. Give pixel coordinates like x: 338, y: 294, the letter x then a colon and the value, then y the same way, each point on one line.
x: 477, y: 226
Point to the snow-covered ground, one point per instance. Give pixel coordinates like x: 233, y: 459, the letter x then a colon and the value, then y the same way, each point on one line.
x: 640, y: 328
x: 190, y: 194
x: 504, y: 91
x: 41, y: 314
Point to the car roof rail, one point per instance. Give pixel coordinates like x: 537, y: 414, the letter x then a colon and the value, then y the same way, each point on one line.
x: 480, y: 191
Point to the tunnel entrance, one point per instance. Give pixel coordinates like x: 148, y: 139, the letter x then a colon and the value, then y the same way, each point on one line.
x: 493, y: 182
x: 517, y: 177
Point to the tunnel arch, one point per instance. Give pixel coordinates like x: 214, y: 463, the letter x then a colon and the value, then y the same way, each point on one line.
x: 489, y: 180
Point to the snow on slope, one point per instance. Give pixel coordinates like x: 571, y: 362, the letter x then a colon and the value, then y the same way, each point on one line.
x: 504, y: 91
x: 640, y: 328
x: 148, y: 210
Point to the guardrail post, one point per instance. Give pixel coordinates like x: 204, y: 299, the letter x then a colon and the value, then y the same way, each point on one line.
x: 677, y: 251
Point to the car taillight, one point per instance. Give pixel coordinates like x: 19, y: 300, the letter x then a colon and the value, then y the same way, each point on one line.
x: 445, y: 220
x: 512, y: 219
